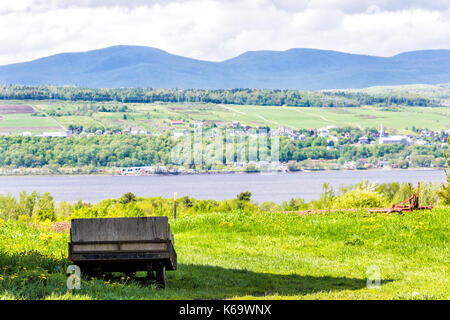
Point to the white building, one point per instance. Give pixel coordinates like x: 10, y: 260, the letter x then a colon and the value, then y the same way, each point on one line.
x: 363, y: 140
x: 422, y: 142
x: 323, y: 132
x: 393, y: 139
x: 54, y: 134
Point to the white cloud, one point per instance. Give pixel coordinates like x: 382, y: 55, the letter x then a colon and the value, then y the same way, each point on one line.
x: 217, y: 30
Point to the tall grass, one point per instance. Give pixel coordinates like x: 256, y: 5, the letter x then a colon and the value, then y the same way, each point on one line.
x: 245, y: 254
x: 363, y: 195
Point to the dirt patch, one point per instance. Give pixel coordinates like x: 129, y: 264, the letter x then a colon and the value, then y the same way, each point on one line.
x: 55, y: 226
x: 338, y: 110
x: 11, y: 109
x: 61, y: 226
x: 7, y: 129
x: 366, y: 116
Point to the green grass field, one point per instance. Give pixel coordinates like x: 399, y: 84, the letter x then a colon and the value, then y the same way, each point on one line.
x: 156, y: 117
x: 239, y: 255
x: 18, y: 123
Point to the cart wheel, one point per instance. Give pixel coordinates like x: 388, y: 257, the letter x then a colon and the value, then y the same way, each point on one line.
x: 86, y: 272
x: 161, y: 276
x: 92, y: 271
x: 96, y: 271
x: 150, y: 276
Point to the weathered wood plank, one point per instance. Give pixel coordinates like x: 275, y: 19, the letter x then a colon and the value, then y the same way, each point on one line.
x: 120, y: 229
x: 115, y: 247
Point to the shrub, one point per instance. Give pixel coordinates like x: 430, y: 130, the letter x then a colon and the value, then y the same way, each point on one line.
x: 326, y: 199
x: 127, y: 198
x: 269, y: 206
x: 44, y: 208
x: 64, y: 210
x: 295, y: 204
x: 8, y: 208
x: 428, y: 194
x: 358, y: 198
x: 444, y: 192
x: 244, y: 196
x: 27, y: 202
x: 388, y: 189
x: 109, y: 209
x: 187, y: 202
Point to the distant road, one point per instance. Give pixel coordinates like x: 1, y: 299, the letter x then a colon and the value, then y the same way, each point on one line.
x: 48, y: 116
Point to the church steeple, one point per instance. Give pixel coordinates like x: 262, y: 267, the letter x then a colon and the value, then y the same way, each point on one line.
x: 381, y: 134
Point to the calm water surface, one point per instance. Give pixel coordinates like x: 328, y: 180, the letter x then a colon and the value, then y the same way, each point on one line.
x: 264, y: 187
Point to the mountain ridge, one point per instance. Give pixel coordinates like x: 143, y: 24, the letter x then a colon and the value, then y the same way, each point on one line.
x: 296, y: 68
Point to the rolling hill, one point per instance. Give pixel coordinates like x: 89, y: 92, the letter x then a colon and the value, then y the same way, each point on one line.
x: 303, y: 69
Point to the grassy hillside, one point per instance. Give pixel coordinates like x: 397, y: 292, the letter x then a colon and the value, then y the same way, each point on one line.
x: 255, y: 255
x: 156, y: 117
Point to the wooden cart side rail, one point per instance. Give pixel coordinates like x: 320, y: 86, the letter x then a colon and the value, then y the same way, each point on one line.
x: 121, y: 241
x: 173, y: 258
x: 119, y: 229
x: 129, y: 246
x: 126, y: 257
x: 168, y: 258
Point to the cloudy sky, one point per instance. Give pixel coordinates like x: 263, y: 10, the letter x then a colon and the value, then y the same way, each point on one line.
x: 221, y: 29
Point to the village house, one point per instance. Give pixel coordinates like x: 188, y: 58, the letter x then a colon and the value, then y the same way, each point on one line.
x: 323, y: 132
x: 382, y: 164
x: 351, y: 165
x: 421, y: 142
x: 363, y: 140
x: 198, y: 124
x: 54, y: 134
x: 177, y: 122
x: 235, y: 124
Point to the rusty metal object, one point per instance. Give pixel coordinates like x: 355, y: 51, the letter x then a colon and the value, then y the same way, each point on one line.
x: 409, y: 205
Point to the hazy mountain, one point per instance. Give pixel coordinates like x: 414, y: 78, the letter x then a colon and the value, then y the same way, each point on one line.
x: 309, y: 69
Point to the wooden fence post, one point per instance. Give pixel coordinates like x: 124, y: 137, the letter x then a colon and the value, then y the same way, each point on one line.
x: 175, y: 206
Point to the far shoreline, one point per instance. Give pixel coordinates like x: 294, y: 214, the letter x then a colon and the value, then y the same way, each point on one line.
x: 217, y: 173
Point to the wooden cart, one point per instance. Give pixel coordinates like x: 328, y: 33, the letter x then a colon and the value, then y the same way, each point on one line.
x: 123, y: 245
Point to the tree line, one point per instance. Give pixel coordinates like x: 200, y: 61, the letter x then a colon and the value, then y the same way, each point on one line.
x: 264, y: 97
x: 137, y: 150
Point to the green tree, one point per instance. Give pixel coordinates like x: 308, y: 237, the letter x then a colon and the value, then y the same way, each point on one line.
x: 444, y: 192
x: 127, y: 198
x: 244, y: 196
x: 187, y: 202
x: 44, y: 208
x: 27, y: 202
x: 8, y: 207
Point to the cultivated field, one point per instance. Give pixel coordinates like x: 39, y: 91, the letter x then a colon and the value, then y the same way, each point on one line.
x: 156, y: 117
x: 243, y: 255
x: 8, y: 109
x: 17, y: 118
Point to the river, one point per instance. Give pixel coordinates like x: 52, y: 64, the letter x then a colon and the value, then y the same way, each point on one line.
x: 276, y: 187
